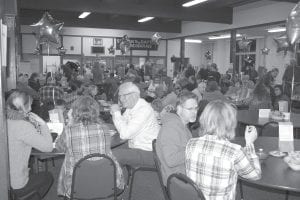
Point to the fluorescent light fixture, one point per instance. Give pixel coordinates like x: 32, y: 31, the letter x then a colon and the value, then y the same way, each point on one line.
x: 145, y: 19
x: 84, y: 15
x: 192, y: 41
x: 222, y: 37
x: 277, y: 29
x: 192, y: 3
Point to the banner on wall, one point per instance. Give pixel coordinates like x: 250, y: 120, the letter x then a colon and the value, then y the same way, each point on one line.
x: 138, y: 44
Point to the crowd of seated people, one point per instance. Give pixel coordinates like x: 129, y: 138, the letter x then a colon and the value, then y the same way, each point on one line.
x: 195, y: 105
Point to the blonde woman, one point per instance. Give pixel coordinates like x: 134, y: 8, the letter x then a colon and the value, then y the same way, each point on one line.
x: 212, y: 161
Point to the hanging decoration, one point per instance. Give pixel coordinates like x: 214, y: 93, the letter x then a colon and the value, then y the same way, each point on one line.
x: 48, y: 30
x: 249, y: 60
x: 244, y: 43
x: 111, y: 50
x: 156, y: 38
x: 293, y: 25
x: 125, y: 44
x: 61, y: 50
x: 283, y: 44
x: 208, y: 55
x: 173, y: 59
x: 265, y: 51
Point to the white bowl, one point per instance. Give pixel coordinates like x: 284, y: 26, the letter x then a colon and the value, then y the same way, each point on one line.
x: 289, y: 160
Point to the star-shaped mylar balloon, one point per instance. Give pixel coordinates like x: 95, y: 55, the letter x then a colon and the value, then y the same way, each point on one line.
x: 244, y: 43
x: 111, y: 50
x: 265, y: 51
x: 293, y: 25
x: 156, y: 38
x: 48, y: 29
x: 283, y: 44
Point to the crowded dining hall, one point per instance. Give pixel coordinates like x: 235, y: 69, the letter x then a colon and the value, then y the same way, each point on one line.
x: 150, y: 99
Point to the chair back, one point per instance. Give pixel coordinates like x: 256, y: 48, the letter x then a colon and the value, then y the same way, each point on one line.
x: 94, y: 177
x: 270, y: 129
x: 158, y: 167
x: 180, y: 187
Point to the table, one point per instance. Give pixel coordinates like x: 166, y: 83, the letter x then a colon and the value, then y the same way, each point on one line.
x: 251, y: 117
x: 115, y: 142
x: 276, y: 173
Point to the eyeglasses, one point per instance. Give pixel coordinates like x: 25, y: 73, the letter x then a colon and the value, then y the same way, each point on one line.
x: 125, y: 95
x: 191, y: 109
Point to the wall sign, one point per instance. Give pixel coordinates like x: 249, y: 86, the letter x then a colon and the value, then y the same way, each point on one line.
x: 138, y: 44
x: 98, y: 41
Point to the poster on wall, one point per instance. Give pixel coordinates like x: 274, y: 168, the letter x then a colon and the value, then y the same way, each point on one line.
x: 138, y: 44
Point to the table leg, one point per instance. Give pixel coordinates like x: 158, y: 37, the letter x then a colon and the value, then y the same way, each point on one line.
x: 286, y: 195
x: 241, y: 190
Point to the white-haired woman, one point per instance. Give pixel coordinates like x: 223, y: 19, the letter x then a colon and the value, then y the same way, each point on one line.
x: 26, y: 130
x: 212, y: 161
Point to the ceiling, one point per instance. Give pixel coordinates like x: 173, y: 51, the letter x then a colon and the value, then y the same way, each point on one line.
x: 123, y: 14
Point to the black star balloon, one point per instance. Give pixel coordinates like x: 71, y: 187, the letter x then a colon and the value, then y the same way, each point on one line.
x: 48, y: 29
x: 208, y: 55
x: 111, y: 50
x: 283, y: 44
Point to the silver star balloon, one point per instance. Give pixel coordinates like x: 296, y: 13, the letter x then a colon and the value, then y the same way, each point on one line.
x: 156, y: 38
x: 244, y: 43
x: 48, y: 29
x: 293, y: 25
x: 283, y: 44
x: 125, y: 44
x: 265, y: 51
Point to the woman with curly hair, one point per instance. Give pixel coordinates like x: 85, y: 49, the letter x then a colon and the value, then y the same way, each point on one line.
x: 85, y: 134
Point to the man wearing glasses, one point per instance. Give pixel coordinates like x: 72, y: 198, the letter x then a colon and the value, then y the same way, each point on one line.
x: 174, y: 135
x: 137, y: 124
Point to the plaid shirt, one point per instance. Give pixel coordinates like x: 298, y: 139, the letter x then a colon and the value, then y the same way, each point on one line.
x: 78, y: 141
x: 214, y: 165
x: 51, y: 92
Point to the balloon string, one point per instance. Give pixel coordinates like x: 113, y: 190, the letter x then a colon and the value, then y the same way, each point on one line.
x: 293, y: 77
x: 48, y: 49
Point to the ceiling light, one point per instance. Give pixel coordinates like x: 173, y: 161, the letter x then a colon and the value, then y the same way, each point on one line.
x: 192, y: 3
x: 277, y: 29
x: 145, y: 19
x: 84, y: 15
x: 222, y: 37
x: 192, y: 41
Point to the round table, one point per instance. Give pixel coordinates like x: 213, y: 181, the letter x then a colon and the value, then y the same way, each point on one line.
x: 275, y: 172
x: 251, y: 117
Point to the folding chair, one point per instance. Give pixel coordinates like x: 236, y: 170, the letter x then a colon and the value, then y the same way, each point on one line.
x: 95, y: 179
x: 179, y: 187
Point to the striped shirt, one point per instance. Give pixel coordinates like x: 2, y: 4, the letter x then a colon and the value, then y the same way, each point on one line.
x: 214, y: 165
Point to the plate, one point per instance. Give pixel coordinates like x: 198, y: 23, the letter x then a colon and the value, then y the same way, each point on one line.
x: 277, y: 153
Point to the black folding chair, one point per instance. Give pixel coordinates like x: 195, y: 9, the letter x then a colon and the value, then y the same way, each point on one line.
x: 95, y: 179
x: 158, y: 167
x: 180, y: 187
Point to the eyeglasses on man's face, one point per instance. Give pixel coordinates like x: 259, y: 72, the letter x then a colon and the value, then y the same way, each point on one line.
x: 125, y: 95
x: 191, y: 108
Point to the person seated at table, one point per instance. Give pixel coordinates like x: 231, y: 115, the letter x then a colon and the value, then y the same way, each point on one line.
x: 51, y: 92
x: 261, y: 98
x: 212, y: 161
x: 234, y: 92
x: 279, y: 96
x: 212, y: 92
x: 200, y: 89
x: 25, y: 131
x: 137, y: 124
x: 174, y: 135
x: 34, y: 82
x: 85, y: 134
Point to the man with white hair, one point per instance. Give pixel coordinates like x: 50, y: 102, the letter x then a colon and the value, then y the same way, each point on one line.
x: 137, y: 124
